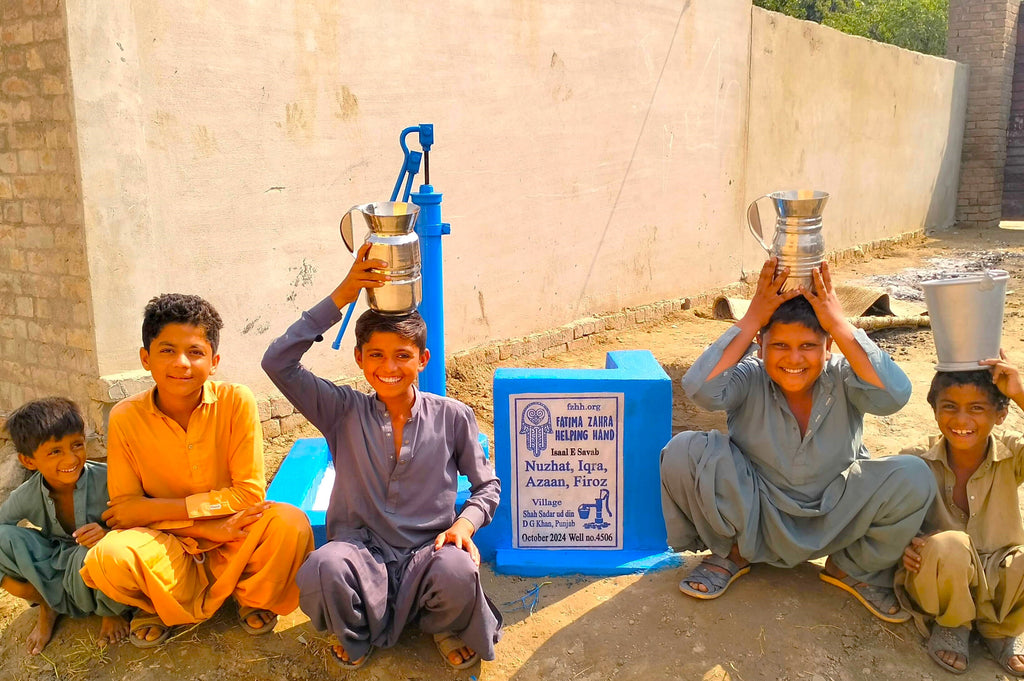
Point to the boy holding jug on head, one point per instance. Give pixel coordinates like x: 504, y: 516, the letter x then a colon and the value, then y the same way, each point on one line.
x: 396, y: 551
x: 791, y: 481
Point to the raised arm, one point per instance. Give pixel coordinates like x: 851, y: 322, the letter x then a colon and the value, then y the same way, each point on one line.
x: 1006, y: 376
x: 311, y: 394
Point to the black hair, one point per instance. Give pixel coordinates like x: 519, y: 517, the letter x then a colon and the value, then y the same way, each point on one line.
x: 408, y: 326
x: 39, y: 421
x: 795, y: 311
x: 180, y: 308
x: 981, y: 379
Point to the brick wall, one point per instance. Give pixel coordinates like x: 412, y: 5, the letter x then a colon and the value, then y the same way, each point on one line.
x: 47, y: 342
x: 982, y: 34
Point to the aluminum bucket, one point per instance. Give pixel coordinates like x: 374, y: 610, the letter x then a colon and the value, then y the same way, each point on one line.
x: 967, y: 318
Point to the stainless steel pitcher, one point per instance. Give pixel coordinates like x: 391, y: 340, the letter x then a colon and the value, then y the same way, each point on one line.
x: 798, y: 242
x: 392, y: 239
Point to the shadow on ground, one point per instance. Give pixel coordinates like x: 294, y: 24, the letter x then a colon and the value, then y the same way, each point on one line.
x: 794, y: 627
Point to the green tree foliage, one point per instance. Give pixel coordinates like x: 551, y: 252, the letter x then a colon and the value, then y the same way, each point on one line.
x: 914, y: 24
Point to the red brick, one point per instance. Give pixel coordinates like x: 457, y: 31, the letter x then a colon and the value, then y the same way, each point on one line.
x: 16, y: 33
x: 34, y: 60
x: 17, y: 87
x: 9, y: 163
x: 52, y: 85
x: 14, y: 59
x: 12, y: 212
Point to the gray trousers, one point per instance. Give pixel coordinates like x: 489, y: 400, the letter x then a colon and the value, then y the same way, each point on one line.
x: 53, y: 567
x: 350, y: 589
x: 713, y: 497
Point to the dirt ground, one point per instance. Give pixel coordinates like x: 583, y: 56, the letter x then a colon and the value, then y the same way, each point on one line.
x: 773, y: 624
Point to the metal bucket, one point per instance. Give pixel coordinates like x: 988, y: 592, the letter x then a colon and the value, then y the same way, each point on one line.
x: 967, y: 318
x: 392, y: 239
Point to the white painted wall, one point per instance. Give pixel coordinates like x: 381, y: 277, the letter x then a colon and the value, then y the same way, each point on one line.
x: 592, y: 155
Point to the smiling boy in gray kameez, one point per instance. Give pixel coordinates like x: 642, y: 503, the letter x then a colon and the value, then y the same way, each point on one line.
x: 397, y: 553
x: 792, y: 480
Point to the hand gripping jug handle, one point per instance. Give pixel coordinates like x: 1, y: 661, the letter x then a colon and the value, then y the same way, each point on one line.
x: 754, y: 219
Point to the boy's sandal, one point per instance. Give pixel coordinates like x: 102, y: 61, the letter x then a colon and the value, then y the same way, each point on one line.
x: 245, y: 612
x: 145, y: 620
x: 448, y: 642
x: 714, y: 581
x: 950, y: 640
x: 349, y: 664
x: 879, y: 600
x: 1002, y: 649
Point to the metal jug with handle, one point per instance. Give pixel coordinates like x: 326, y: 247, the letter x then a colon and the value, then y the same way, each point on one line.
x: 797, y: 242
x: 392, y: 239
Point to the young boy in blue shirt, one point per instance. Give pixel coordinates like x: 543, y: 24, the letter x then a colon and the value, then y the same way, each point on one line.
x: 792, y: 480
x: 64, y: 498
x: 396, y: 553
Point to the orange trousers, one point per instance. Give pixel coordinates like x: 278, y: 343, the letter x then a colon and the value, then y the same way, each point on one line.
x: 156, y: 572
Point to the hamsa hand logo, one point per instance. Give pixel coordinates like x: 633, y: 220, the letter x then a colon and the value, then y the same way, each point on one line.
x: 535, y: 424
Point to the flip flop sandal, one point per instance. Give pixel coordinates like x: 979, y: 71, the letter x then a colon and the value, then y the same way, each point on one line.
x: 348, y: 664
x: 877, y: 599
x: 147, y: 621
x: 1002, y: 649
x: 448, y: 642
x: 245, y: 612
x: 715, y: 581
x: 951, y: 640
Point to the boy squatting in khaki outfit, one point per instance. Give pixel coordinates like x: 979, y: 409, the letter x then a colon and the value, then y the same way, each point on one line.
x: 967, y: 566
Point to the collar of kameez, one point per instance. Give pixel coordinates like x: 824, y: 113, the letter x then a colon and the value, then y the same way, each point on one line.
x: 996, y: 451
x: 382, y: 408
x: 209, y: 397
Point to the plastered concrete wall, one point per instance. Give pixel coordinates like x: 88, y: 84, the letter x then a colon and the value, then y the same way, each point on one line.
x: 878, y: 127
x: 590, y: 155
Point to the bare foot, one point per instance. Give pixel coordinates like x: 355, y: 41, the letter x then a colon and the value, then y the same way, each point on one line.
x: 734, y: 556
x: 340, y: 653
x: 833, y: 570
x: 1016, y: 663
x: 112, y: 630
x: 43, y: 630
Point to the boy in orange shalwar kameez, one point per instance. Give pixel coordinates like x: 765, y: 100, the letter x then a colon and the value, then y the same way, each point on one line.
x: 190, y: 527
